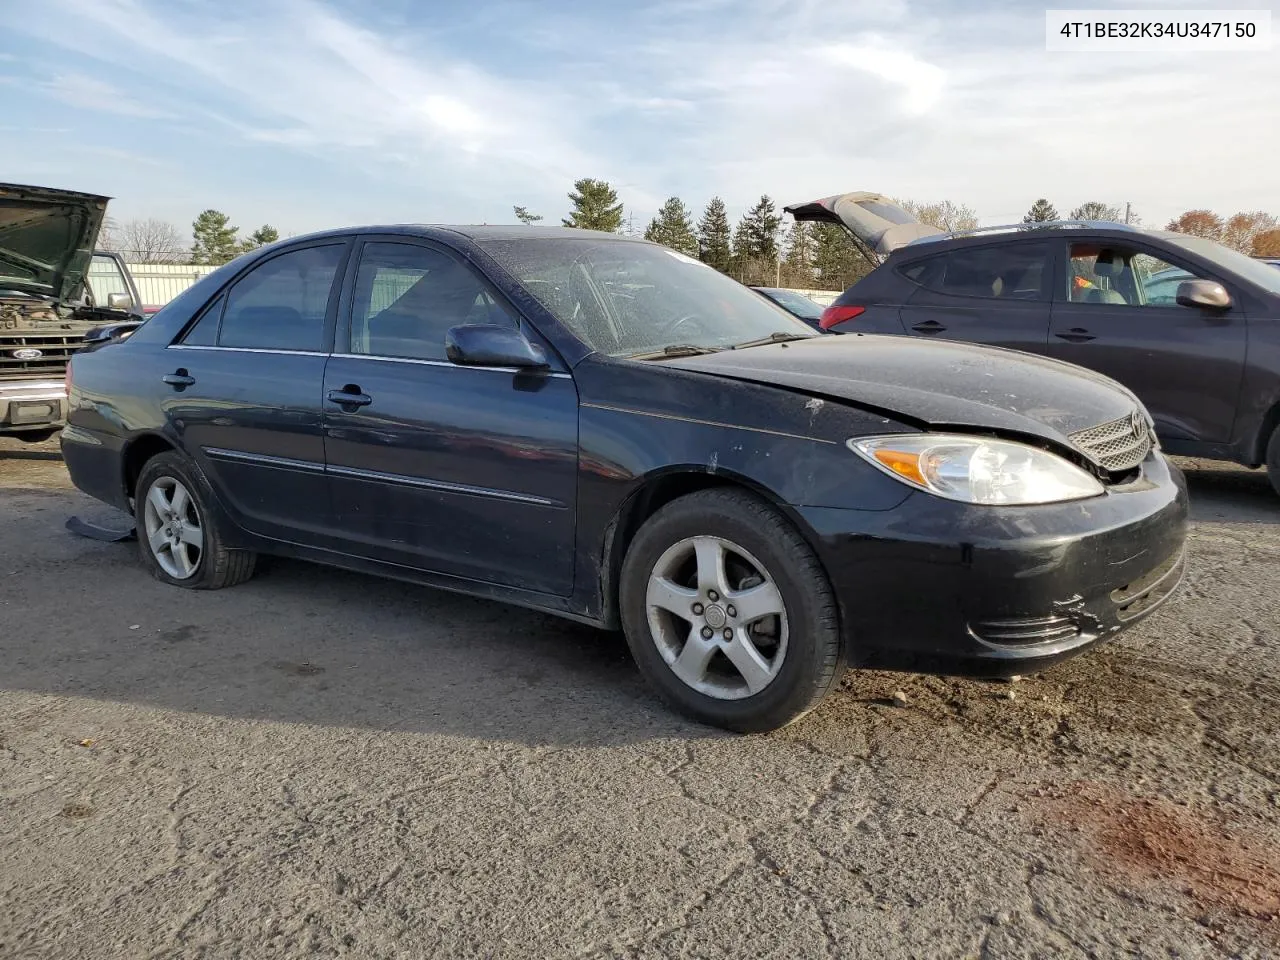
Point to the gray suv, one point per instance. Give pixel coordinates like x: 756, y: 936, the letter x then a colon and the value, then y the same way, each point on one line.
x: 1190, y: 326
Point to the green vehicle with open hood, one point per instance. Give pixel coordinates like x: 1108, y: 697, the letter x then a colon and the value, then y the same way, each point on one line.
x: 55, y: 287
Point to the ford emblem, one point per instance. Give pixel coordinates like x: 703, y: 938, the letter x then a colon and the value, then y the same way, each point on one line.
x: 28, y: 353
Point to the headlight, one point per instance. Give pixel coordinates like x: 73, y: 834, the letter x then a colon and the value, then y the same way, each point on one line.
x: 977, y: 469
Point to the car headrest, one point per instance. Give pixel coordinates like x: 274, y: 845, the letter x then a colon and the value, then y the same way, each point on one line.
x: 1108, y: 264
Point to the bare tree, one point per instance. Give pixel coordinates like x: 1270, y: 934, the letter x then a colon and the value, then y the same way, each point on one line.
x: 150, y: 241
x: 943, y: 214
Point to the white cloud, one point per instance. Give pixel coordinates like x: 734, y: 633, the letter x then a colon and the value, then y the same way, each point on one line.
x: 796, y: 98
x: 91, y: 93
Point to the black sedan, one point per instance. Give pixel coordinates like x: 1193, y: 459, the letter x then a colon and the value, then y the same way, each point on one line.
x: 611, y: 431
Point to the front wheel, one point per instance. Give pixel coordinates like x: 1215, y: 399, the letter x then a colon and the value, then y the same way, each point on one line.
x: 729, y: 614
x: 178, y: 535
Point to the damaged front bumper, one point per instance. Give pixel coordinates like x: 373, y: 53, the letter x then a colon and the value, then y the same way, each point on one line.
x: 938, y: 586
x: 32, y: 405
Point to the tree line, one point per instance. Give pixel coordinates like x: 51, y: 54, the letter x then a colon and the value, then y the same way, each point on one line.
x: 214, y: 240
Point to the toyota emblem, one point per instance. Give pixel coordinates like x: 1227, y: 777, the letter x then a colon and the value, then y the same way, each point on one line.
x: 28, y: 353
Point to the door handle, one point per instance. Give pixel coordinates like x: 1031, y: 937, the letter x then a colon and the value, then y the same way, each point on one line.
x: 1076, y: 335
x: 928, y: 326
x: 179, y: 378
x: 349, y: 396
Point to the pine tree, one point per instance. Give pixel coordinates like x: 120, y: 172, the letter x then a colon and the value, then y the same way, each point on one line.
x: 1042, y: 211
x: 762, y: 223
x: 673, y: 227
x: 264, y: 235
x: 524, y: 216
x: 797, y: 268
x: 595, y: 206
x: 215, y: 238
x: 836, y: 260
x: 714, y: 237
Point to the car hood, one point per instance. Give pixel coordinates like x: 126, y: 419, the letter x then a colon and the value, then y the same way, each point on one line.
x: 933, y: 384
x: 871, y: 217
x: 47, y: 238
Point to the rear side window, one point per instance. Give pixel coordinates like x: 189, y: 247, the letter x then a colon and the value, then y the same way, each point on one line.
x: 1015, y: 271
x: 281, y: 304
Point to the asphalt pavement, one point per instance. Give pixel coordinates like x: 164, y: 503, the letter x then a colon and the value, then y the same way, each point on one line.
x: 319, y: 763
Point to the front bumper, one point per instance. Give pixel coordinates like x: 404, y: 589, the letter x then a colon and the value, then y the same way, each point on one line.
x: 939, y: 586
x: 32, y: 405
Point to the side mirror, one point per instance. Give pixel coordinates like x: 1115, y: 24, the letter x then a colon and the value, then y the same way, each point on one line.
x: 1205, y: 294
x: 119, y: 301
x: 111, y: 331
x: 492, y: 345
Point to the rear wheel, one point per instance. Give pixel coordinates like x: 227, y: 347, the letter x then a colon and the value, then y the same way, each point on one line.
x: 1273, y: 459
x: 178, y: 535
x: 729, y: 614
x: 35, y: 436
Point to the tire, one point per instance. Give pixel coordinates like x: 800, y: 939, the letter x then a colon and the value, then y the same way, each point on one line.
x: 1273, y: 460
x: 178, y: 533
x: 733, y: 539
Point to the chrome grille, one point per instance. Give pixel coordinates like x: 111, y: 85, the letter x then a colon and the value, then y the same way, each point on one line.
x: 52, y: 361
x: 1117, y: 444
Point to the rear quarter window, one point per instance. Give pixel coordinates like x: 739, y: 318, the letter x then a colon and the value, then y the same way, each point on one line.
x: 1014, y: 271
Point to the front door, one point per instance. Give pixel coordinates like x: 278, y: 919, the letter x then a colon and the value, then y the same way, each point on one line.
x: 996, y: 294
x: 1118, y: 314
x: 461, y: 470
x: 243, y: 391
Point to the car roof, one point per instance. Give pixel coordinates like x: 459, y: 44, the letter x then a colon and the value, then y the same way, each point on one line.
x: 477, y: 232
x: 1018, y: 233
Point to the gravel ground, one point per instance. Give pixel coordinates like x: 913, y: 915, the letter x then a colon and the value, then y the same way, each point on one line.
x: 320, y: 763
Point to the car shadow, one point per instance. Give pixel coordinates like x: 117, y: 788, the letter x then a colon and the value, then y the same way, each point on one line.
x: 305, y: 644
x: 1226, y: 493
x: 20, y: 454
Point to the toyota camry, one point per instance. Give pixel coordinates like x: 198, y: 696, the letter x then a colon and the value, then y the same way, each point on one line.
x: 611, y: 431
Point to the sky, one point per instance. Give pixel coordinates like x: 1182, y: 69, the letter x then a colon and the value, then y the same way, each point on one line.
x: 308, y: 114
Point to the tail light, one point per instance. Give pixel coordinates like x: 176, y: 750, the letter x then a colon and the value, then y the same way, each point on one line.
x: 839, y: 313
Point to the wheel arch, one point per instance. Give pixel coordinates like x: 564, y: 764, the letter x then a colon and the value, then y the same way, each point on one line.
x: 655, y: 491
x: 1270, y: 423
x: 137, y: 452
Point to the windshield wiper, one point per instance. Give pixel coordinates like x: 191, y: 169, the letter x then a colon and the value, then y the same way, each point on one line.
x: 778, y: 336
x: 674, y: 350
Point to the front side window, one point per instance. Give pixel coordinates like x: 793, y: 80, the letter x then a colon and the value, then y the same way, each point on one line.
x: 281, y: 304
x: 408, y: 297
x: 1122, y: 276
x: 1014, y: 271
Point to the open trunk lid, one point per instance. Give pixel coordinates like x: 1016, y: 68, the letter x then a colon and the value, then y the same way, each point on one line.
x: 47, y: 238
x: 875, y: 221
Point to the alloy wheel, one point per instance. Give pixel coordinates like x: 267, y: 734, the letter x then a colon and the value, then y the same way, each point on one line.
x: 717, y: 617
x: 173, y: 529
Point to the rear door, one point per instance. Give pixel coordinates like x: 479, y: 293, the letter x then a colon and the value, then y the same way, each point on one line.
x: 1117, y: 313
x: 243, y: 391
x: 462, y: 470
x: 996, y: 294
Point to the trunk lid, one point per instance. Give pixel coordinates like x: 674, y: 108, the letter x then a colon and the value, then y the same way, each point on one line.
x: 936, y: 384
x: 47, y: 238
x: 873, y: 219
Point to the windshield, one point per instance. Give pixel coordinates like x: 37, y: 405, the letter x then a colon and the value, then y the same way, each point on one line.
x: 796, y: 303
x: 625, y: 298
x: 1257, y: 272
